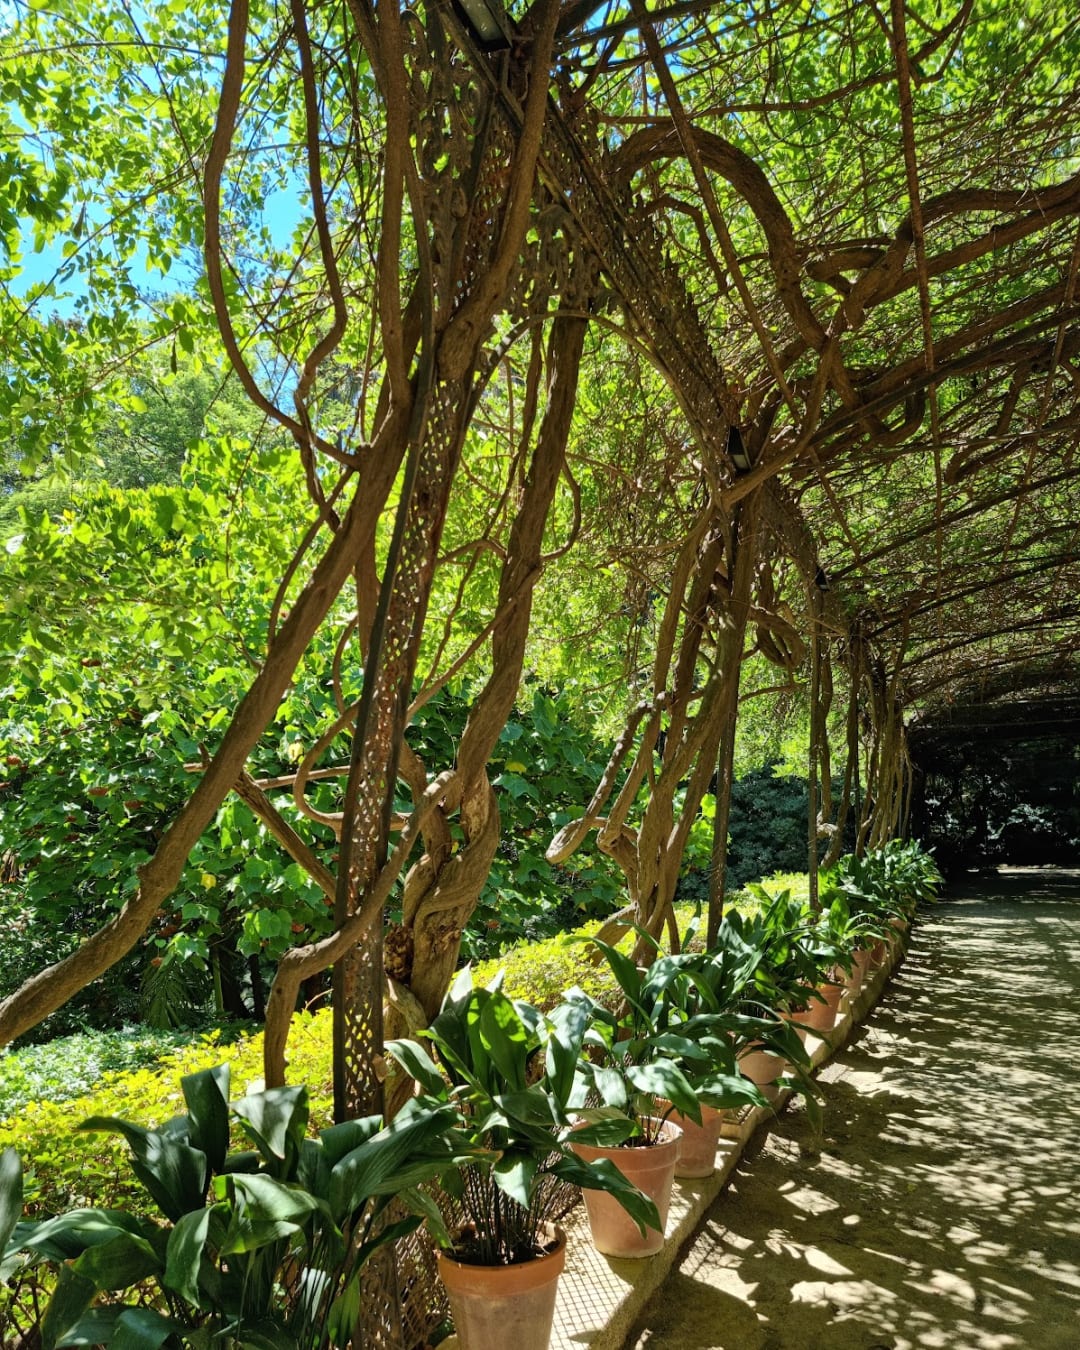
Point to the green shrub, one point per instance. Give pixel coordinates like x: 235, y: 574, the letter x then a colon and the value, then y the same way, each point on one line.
x: 539, y: 972
x: 64, y: 1168
x: 797, y: 884
x: 72, y: 1066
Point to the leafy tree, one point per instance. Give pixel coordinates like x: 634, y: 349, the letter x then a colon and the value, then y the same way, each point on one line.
x: 162, y: 416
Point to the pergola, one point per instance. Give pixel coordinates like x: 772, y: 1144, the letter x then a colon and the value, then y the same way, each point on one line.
x: 830, y: 252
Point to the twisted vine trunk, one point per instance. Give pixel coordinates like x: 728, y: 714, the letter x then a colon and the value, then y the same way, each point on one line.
x: 441, y: 891
x: 729, y: 659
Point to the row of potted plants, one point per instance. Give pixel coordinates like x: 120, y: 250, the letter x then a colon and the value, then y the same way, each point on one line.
x: 514, y: 1110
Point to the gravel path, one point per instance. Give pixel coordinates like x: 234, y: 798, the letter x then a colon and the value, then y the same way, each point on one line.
x: 941, y: 1206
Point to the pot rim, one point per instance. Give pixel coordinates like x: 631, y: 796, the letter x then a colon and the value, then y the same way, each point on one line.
x: 471, y: 1277
x: 670, y: 1133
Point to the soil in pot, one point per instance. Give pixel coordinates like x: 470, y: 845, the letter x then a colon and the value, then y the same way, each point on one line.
x: 498, y: 1306
x: 651, y: 1168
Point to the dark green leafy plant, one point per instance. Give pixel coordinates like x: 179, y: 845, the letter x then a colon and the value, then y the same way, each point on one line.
x: 885, y: 885
x: 836, y: 934
x: 509, y: 1072
x: 781, y: 931
x: 260, y: 1250
x: 636, y: 1056
x: 720, y: 1000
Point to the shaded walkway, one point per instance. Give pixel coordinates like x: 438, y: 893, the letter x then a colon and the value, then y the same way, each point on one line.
x: 941, y: 1207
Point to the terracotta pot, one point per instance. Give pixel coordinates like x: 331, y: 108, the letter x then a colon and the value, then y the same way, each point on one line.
x: 860, y: 966
x: 651, y: 1168
x: 698, y: 1145
x: 878, y: 952
x: 821, y: 1016
x: 761, y: 1066
x: 498, y: 1306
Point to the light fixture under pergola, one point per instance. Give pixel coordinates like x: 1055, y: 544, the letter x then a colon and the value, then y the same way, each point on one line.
x: 737, y: 452
x: 486, y: 20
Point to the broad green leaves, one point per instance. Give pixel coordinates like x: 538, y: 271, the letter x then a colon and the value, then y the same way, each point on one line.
x: 262, y: 1259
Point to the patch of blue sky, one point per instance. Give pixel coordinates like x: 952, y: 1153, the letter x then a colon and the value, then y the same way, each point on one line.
x: 61, y: 287
x: 47, y: 271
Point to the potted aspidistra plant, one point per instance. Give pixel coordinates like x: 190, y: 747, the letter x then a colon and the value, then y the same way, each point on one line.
x: 836, y: 936
x: 508, y: 1072
x: 882, y: 890
x: 783, y: 980
x: 645, y: 1060
x: 710, y: 996
x: 261, y: 1249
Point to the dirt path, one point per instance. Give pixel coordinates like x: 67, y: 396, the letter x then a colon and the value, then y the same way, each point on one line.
x: 941, y: 1208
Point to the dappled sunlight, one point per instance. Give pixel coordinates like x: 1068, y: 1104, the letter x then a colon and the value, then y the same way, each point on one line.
x: 937, y: 1207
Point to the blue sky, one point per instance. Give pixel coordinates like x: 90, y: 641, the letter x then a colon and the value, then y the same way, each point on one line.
x: 282, y: 212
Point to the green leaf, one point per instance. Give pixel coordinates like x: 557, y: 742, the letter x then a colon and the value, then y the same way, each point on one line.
x: 603, y: 1175
x: 123, y: 1261
x: 207, y: 1097
x: 172, y: 1171
x: 661, y: 1078
x: 94, y: 1328
x: 143, y: 1329
x: 276, y: 1120
x: 67, y: 1236
x: 266, y: 1336
x: 70, y: 1300
x: 344, y: 1313
x: 11, y: 1195
x: 474, y: 1065
x: 504, y: 1039
x: 265, y: 1210
x: 567, y: 1025
x: 419, y: 1065
x: 723, y: 1090
x: 515, y: 1173
x: 627, y: 975
x: 184, y: 1254
x: 382, y: 1160
x: 611, y: 1086
x: 421, y: 1203
x: 517, y: 786
x: 604, y: 1129
x: 680, y: 1047
x: 390, y: 1232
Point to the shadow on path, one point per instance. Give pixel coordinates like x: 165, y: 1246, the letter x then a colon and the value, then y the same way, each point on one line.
x: 941, y: 1205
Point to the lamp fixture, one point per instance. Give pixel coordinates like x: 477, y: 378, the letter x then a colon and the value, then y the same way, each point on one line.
x: 485, y: 19
x: 737, y: 451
